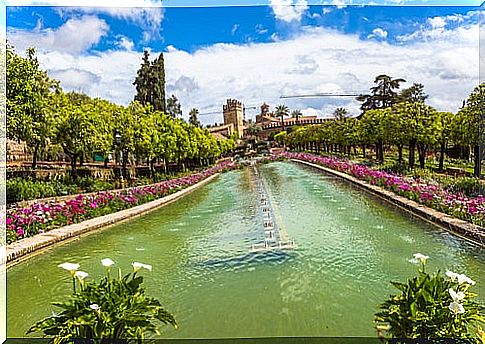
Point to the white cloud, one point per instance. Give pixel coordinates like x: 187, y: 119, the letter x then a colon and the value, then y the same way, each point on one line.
x: 378, y: 33
x: 75, y: 36
x: 323, y: 60
x: 289, y: 10
x: 126, y: 43
x: 149, y: 19
x: 437, y: 22
x: 87, y: 3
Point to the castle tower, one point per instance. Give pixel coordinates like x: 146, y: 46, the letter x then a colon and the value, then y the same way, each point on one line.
x: 233, y: 114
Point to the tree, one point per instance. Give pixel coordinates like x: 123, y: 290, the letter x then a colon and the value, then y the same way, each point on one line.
x: 150, y: 82
x: 382, y: 95
x: 413, y: 94
x: 193, y: 117
x: 468, y: 122
x: 174, y: 108
x: 282, y: 111
x: 252, y: 129
x: 340, y: 114
x: 296, y: 114
x: 29, y: 93
x: 446, y: 121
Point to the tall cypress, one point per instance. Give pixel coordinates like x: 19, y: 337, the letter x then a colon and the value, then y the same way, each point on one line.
x: 150, y: 82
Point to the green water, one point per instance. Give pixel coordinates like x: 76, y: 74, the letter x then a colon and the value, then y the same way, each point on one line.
x: 349, y: 246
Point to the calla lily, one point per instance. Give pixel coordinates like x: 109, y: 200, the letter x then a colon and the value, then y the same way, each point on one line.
x: 71, y: 267
x: 81, y: 275
x: 94, y: 307
x: 456, y: 308
x: 137, y: 266
x: 462, y: 278
x: 456, y: 296
x: 452, y: 275
x: 421, y: 257
x: 107, y: 263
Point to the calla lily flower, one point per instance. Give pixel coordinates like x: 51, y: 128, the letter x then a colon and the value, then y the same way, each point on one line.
x: 456, y: 308
x: 421, y: 257
x: 456, y: 296
x: 137, y: 266
x: 81, y: 275
x: 462, y: 278
x: 71, y: 267
x: 452, y: 275
x: 107, y: 263
x: 94, y: 307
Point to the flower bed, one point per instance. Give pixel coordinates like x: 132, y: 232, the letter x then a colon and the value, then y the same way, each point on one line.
x: 43, y: 217
x: 424, y: 191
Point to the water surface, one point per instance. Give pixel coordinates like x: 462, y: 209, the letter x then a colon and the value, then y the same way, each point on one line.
x: 349, y: 246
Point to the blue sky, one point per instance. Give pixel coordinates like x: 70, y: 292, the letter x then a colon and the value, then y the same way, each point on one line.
x: 256, y: 53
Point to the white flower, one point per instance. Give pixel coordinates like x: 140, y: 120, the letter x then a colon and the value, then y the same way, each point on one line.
x: 452, y: 275
x: 107, y: 262
x: 137, y: 266
x: 462, y: 278
x: 94, y: 306
x: 421, y: 257
x: 71, y: 267
x: 456, y: 308
x: 456, y: 296
x: 81, y: 275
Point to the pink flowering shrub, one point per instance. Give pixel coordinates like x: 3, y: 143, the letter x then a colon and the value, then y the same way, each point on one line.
x: 42, y: 217
x: 424, y: 191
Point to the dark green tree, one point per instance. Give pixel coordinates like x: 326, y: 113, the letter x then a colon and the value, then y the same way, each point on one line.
x: 193, y: 117
x: 413, y: 94
x: 174, y: 108
x: 383, y: 95
x: 150, y: 82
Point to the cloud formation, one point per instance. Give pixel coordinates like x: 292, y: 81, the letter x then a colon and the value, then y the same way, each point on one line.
x: 289, y: 10
x: 75, y: 36
x: 316, y: 60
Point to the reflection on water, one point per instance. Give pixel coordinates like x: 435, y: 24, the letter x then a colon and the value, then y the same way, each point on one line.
x: 349, y: 246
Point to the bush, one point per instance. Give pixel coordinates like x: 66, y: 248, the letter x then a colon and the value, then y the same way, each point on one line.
x: 114, y: 308
x: 431, y: 306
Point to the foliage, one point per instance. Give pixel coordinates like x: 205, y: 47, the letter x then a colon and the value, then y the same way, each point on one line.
x: 193, y: 118
x: 382, y: 95
x: 174, y: 109
x: 150, y: 82
x: 114, y: 308
x: 29, y: 91
x: 431, y: 306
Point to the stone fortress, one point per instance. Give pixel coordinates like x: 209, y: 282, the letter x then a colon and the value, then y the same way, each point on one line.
x: 234, y: 121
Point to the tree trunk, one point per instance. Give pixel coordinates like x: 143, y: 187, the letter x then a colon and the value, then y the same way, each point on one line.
x: 106, y: 162
x: 381, y: 151
x: 363, y: 151
x: 422, y: 149
x: 73, y: 166
x: 377, y: 151
x: 81, y: 160
x: 35, y: 154
x: 124, y: 161
x: 399, y: 151
x: 477, y: 171
x: 442, y: 156
x: 412, y: 147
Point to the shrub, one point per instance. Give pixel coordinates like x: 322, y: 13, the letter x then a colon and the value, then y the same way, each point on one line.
x: 114, y: 308
x: 431, y: 306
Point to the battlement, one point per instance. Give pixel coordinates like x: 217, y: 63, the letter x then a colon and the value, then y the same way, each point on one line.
x: 232, y: 104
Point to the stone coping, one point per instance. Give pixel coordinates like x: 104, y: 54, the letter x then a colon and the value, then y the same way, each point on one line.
x: 20, y: 250
x: 461, y: 228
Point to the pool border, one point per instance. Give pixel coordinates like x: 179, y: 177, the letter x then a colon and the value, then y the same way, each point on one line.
x: 461, y: 228
x: 26, y: 248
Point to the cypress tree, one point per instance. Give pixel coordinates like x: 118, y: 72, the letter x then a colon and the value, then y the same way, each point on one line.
x: 150, y: 82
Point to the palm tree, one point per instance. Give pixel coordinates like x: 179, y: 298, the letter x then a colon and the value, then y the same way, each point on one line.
x: 282, y: 111
x: 296, y: 114
x: 340, y: 114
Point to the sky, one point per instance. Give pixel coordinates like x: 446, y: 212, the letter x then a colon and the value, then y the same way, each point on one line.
x: 253, y: 53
